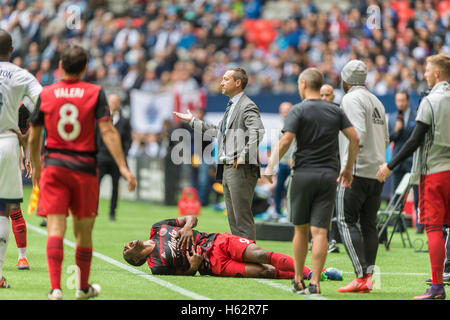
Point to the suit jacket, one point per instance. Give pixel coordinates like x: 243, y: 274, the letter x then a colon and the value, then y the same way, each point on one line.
x: 402, y: 136
x: 243, y: 134
x: 124, y: 128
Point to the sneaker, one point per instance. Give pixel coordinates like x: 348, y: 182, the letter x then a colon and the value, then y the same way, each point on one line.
x: 332, y: 247
x: 4, y: 284
x: 432, y: 294
x: 311, y: 290
x: 323, y: 276
x: 297, y: 287
x: 93, y: 291
x: 55, y: 294
x: 333, y: 274
x: 359, y: 285
x: 22, y: 264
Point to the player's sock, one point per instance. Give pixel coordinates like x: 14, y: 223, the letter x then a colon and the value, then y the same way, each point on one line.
x: 284, y: 262
x: 19, y: 228
x: 280, y: 261
x: 4, y: 239
x: 436, y: 247
x: 280, y: 274
x: 55, y: 255
x: 83, y: 257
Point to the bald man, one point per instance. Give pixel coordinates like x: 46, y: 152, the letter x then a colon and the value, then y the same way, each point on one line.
x: 315, y: 124
x: 327, y: 93
x: 105, y: 162
x: 284, y: 167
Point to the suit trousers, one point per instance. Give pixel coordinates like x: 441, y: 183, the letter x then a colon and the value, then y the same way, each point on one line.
x: 238, y: 188
x: 110, y: 167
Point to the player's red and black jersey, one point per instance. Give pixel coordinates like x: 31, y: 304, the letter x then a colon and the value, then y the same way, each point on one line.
x: 69, y: 110
x: 166, y: 258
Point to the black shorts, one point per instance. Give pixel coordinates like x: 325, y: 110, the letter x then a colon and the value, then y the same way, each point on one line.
x: 312, y: 197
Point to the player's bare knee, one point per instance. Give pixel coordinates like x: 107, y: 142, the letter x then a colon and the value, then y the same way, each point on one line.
x: 13, y: 207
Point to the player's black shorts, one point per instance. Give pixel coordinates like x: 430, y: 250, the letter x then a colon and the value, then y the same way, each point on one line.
x: 312, y: 197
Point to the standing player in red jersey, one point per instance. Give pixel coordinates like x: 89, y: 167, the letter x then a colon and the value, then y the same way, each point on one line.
x: 70, y: 110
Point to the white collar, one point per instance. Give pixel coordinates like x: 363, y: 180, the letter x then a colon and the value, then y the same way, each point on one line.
x: 236, y: 98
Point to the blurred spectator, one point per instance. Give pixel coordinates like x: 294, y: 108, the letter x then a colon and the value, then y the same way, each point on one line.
x: 187, y: 45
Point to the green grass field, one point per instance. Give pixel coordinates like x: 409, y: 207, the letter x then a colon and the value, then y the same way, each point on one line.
x: 402, y: 271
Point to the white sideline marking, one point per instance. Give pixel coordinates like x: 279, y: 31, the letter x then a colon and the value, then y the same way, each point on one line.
x: 395, y: 273
x: 286, y: 288
x: 139, y: 273
x: 187, y: 292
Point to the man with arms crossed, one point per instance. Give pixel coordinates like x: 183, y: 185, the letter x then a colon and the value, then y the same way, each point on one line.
x: 315, y: 124
x: 431, y: 165
x: 70, y: 110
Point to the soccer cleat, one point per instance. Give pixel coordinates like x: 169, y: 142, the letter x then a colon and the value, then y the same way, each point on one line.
x: 55, y: 294
x: 4, y: 284
x: 22, y: 264
x: 310, y: 290
x: 332, y: 247
x: 432, y: 294
x: 297, y: 287
x: 359, y: 285
x: 93, y: 291
x: 333, y: 274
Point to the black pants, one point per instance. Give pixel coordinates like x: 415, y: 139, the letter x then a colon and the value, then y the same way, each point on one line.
x: 356, y: 211
x: 110, y: 167
x: 447, y: 249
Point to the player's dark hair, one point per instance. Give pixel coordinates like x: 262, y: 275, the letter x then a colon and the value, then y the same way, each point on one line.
x: 74, y: 59
x: 5, y: 43
x: 134, y: 263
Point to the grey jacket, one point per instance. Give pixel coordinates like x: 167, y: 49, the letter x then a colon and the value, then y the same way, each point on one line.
x: 243, y: 134
x: 368, y: 116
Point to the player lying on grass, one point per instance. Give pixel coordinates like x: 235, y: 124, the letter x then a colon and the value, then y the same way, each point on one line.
x: 174, y: 248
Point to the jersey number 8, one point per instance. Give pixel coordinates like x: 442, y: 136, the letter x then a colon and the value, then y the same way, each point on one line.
x: 69, y: 127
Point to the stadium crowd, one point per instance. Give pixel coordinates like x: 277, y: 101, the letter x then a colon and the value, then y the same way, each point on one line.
x: 159, y: 43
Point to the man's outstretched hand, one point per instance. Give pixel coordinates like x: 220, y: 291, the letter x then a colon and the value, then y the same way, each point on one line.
x: 184, y: 116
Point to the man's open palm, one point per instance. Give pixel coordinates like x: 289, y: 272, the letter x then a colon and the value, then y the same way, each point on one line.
x: 184, y: 116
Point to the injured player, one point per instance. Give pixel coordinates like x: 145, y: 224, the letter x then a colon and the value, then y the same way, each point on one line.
x: 174, y: 248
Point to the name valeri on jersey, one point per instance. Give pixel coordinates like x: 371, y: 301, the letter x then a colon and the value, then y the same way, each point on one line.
x: 69, y: 93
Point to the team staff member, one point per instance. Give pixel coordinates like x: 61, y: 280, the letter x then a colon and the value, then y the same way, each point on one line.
x: 174, y: 248
x: 401, y: 124
x: 315, y: 124
x: 327, y: 93
x: 70, y: 110
x: 105, y: 162
x: 431, y: 165
x: 238, y: 135
x: 15, y: 84
x: 357, y: 208
x: 284, y: 166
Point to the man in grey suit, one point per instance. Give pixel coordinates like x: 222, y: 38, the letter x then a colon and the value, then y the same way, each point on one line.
x: 238, y: 136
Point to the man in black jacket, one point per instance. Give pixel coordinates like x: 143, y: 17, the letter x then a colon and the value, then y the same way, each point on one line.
x: 105, y: 162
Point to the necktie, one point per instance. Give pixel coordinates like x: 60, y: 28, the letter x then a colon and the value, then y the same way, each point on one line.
x: 225, y: 118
